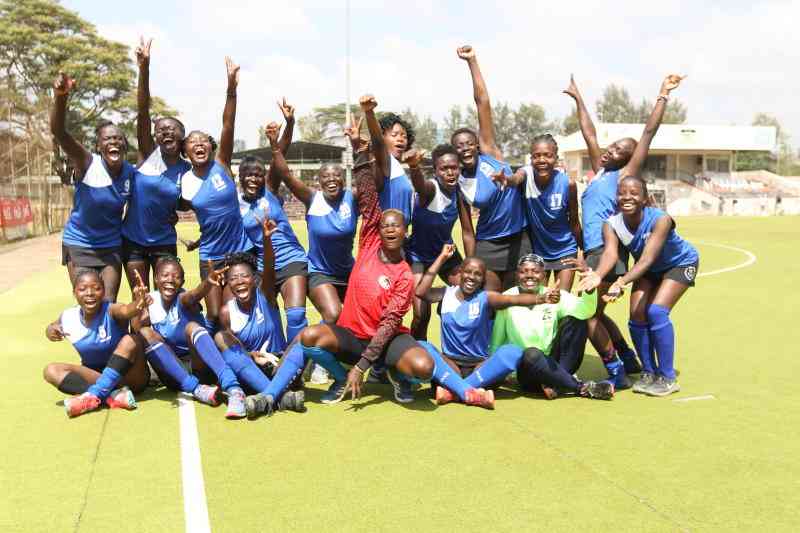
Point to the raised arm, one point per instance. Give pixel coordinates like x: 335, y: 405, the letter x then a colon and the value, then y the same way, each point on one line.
x: 573, y: 215
x: 280, y: 169
x: 637, y: 160
x: 143, y: 125
x: 379, y: 151
x: 587, y: 126
x: 215, y: 278
x: 268, y: 274
x: 498, y: 300
x: 424, y: 188
x: 424, y: 289
x: 141, y: 300
x: 77, y: 154
x: 273, y: 180
x: 467, y: 228
x: 368, y: 205
x: 486, y: 137
x: 225, y: 150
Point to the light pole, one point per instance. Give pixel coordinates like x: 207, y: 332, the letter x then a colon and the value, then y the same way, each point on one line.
x: 347, y: 118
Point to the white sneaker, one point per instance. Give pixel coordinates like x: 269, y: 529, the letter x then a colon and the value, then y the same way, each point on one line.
x: 319, y: 376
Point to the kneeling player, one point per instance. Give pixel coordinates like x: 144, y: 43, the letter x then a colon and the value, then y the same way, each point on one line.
x: 98, y: 330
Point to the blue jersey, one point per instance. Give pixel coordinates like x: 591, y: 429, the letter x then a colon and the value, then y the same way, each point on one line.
x: 598, y: 202
x: 171, y: 323
x: 331, y: 229
x: 156, y: 189
x: 285, y: 245
x: 548, y: 216
x: 432, y: 226
x: 466, y: 325
x: 259, y: 330
x: 215, y: 202
x: 397, y: 192
x: 676, y: 251
x: 96, y: 217
x: 500, y: 210
x: 95, y: 342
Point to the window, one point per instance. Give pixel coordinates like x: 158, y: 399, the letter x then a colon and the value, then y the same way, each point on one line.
x: 655, y: 166
x: 718, y: 164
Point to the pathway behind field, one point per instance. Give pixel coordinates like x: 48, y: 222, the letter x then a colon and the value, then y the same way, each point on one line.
x: 20, y: 260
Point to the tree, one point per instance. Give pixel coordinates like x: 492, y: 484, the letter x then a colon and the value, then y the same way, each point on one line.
x: 454, y: 120
x: 675, y: 113
x: 781, y: 162
x: 426, y: 131
x: 326, y: 124
x: 570, y: 124
x: 530, y: 120
x: 616, y: 106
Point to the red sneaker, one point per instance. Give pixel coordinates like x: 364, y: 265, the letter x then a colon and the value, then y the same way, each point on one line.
x: 443, y: 395
x: 121, y: 398
x: 77, y: 405
x: 481, y: 398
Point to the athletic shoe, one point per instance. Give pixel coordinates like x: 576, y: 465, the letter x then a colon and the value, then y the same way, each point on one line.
x: 293, y: 400
x: 401, y: 387
x: 319, y: 376
x: 549, y: 392
x: 630, y: 361
x: 443, y: 396
x: 207, y: 394
x: 601, y: 390
x: 259, y: 404
x: 121, y: 398
x: 77, y: 405
x: 644, y: 382
x: 480, y: 398
x: 236, y: 407
x: 377, y: 375
x: 335, y: 393
x: 662, y: 386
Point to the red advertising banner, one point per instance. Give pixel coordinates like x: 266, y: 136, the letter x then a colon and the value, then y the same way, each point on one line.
x: 15, y: 212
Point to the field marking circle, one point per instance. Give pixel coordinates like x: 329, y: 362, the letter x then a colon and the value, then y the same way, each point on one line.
x: 751, y: 258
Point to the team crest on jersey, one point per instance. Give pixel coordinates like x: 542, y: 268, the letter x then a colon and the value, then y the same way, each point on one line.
x: 172, y: 316
x: 126, y: 187
x: 259, y: 316
x: 218, y: 182
x: 102, y: 334
x: 547, y: 313
x: 262, y: 204
x: 555, y: 201
x: 689, y: 273
x: 384, y: 282
x: 474, y: 310
x: 486, y: 168
x: 344, y: 211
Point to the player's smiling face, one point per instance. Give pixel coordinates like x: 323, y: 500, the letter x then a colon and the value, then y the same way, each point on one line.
x: 618, y: 154
x: 466, y: 144
x: 89, y: 293
x: 396, y: 140
x: 169, y: 136
x: 169, y: 280
x: 199, y: 149
x: 543, y: 158
x: 631, y: 197
x: 331, y: 182
x: 530, y: 276
x: 472, y: 276
x: 111, y: 145
x: 392, y: 230
x: 252, y: 181
x: 242, y: 281
x: 447, y: 170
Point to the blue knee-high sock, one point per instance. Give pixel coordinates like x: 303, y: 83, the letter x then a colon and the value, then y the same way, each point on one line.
x: 662, y: 335
x: 326, y: 360
x: 295, y: 322
x: 444, y: 373
x: 640, y: 334
x: 291, y: 366
x: 115, y: 369
x: 502, y: 362
x: 245, y: 368
x: 210, y: 355
x: 162, y: 357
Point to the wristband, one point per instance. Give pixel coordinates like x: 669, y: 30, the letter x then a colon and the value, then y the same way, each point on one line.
x: 663, y: 97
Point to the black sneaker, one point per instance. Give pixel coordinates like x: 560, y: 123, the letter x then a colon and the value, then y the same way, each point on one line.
x: 377, y: 375
x: 293, y: 401
x: 597, y: 390
x: 403, y: 391
x: 259, y: 404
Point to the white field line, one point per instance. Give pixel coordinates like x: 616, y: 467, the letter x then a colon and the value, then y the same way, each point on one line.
x: 695, y: 398
x: 195, y: 508
x: 751, y: 258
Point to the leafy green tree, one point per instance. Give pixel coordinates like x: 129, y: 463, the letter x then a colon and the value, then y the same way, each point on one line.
x: 326, y: 124
x: 456, y: 118
x: 675, y: 113
x: 616, y: 106
x: 530, y: 120
x: 782, y: 161
x: 570, y: 124
x: 426, y: 131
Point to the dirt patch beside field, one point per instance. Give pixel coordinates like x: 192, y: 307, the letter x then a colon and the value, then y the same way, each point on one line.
x: 22, y: 259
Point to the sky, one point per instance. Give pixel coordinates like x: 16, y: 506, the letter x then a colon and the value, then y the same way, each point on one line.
x: 741, y: 58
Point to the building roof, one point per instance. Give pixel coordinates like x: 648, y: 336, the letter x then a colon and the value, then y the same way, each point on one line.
x: 681, y: 137
x: 298, y: 151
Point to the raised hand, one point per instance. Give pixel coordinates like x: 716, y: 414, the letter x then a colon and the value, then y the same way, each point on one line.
x: 576, y: 263
x: 216, y: 277
x: 500, y: 179
x: 287, y: 109
x: 614, y: 293
x: 572, y: 90
x: 268, y: 227
x: 353, y: 132
x: 55, y: 332
x: 465, y: 52
x: 272, y: 130
x: 447, y: 251
x: 233, y: 72
x: 367, y: 103
x: 63, y: 85
x: 588, y: 280
x: 141, y: 297
x: 553, y: 294
x: 413, y: 157
x: 671, y: 82
x: 143, y: 52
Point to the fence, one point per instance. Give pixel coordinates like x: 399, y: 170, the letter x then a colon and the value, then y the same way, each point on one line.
x: 49, y: 203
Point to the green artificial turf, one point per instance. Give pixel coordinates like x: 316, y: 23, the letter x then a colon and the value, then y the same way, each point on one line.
x: 632, y: 464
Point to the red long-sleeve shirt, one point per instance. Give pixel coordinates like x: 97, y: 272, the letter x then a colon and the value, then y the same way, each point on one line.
x: 379, y: 294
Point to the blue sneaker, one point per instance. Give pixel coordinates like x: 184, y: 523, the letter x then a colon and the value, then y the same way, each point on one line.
x: 335, y: 393
x: 630, y: 361
x: 377, y: 374
x: 401, y: 387
x: 617, y: 375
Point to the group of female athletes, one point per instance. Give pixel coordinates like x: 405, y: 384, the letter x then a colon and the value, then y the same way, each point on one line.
x: 498, y: 314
